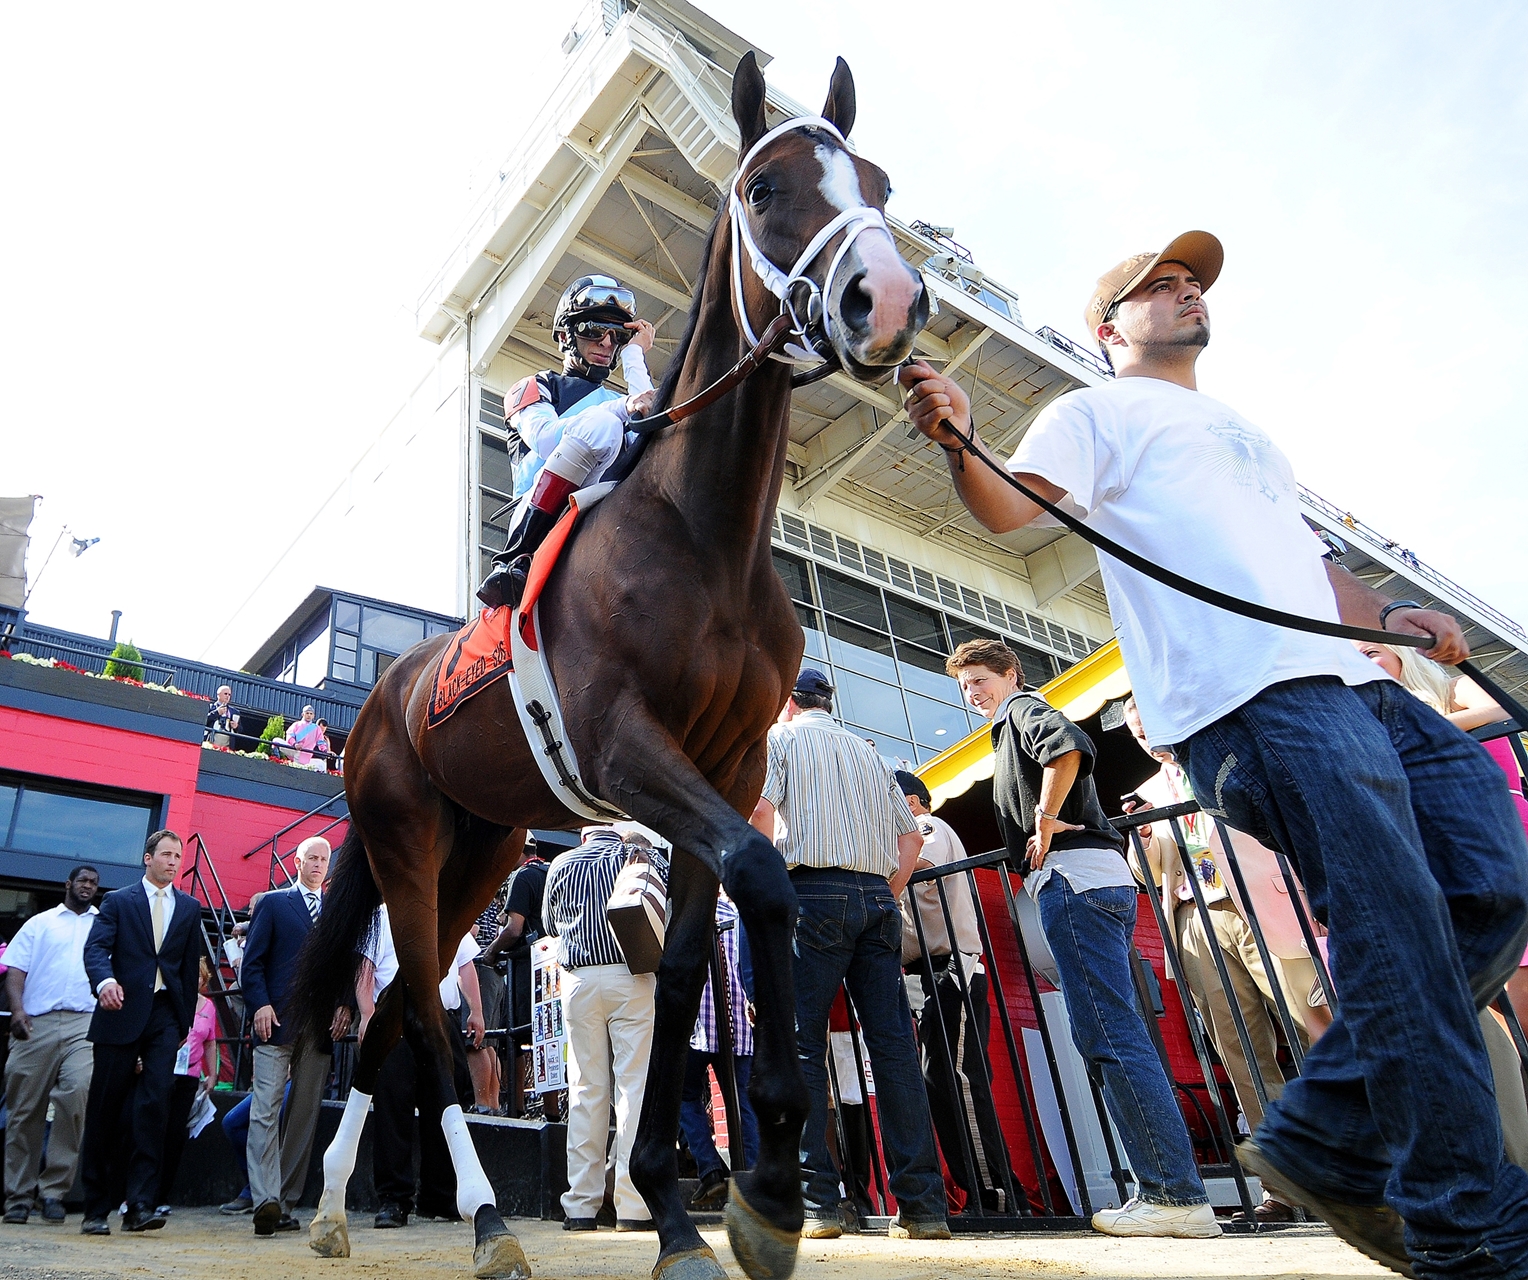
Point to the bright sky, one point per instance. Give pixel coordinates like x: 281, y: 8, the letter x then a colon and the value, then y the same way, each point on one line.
x: 217, y: 222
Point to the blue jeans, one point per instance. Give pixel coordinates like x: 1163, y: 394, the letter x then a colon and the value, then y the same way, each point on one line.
x: 1415, y: 860
x: 849, y: 930
x: 1090, y: 935
x: 696, y: 1124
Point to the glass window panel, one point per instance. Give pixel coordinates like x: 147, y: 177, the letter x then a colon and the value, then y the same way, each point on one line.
x: 313, y: 661
x: 876, y: 706
x: 934, y: 723
x: 793, y: 572
x: 392, y: 632
x: 892, y: 750
x: 439, y: 628
x: 81, y: 827
x: 343, y: 671
x: 857, y: 601
x: 924, y: 671
x: 1038, y: 665
x: 916, y: 622
x: 347, y: 615
x: 343, y: 642
x: 498, y: 469
x: 859, y: 649
x: 368, y: 670
x: 960, y: 632
x: 7, y: 808
x: 493, y: 536
x: 811, y: 626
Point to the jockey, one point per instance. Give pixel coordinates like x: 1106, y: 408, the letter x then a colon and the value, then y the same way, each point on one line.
x: 571, y: 426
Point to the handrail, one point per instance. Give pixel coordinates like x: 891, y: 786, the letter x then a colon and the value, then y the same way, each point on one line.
x: 295, y: 823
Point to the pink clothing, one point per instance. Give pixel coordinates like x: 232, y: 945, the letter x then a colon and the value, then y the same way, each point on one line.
x: 204, y: 1030
x: 1500, y: 750
x: 304, y: 733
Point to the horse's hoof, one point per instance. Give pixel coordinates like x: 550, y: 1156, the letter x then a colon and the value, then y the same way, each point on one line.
x: 501, y: 1257
x: 692, y: 1264
x: 762, y: 1249
x: 329, y: 1238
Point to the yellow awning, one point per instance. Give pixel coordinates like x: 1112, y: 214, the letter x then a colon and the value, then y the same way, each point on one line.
x: 1077, y: 693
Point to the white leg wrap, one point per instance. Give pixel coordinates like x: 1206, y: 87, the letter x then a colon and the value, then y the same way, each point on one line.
x: 473, y: 1190
x: 339, y: 1159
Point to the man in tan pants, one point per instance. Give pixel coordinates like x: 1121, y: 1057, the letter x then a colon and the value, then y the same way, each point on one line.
x: 51, y: 1060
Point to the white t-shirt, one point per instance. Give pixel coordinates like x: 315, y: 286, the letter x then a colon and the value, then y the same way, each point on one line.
x: 1189, y: 484
x: 385, y: 961
x: 50, y: 949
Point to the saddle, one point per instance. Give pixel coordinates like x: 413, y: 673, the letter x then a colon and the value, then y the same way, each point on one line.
x: 507, y: 642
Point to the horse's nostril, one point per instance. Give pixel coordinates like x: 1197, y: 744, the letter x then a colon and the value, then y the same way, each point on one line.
x: 856, y: 304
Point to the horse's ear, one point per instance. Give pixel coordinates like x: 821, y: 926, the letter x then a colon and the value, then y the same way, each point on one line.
x: 748, y: 102
x: 839, y: 108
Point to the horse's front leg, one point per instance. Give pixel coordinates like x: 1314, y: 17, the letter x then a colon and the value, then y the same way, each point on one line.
x: 329, y: 1233
x: 764, y: 1211
x: 654, y: 1158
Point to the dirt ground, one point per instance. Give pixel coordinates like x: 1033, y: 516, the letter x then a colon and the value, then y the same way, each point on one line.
x: 199, y: 1244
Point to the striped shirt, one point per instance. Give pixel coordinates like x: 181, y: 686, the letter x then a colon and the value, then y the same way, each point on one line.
x: 578, y: 889
x: 705, y: 1038
x: 840, y: 804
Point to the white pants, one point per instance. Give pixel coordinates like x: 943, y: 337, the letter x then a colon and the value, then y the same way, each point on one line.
x: 601, y: 427
x: 609, y: 1015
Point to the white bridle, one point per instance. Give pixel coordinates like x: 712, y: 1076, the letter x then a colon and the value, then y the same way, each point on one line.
x: 780, y: 283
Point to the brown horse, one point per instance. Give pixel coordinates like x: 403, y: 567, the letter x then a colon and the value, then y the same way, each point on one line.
x: 673, y: 644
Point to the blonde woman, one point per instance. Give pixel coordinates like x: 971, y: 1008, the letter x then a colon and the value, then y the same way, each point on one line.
x: 1464, y: 703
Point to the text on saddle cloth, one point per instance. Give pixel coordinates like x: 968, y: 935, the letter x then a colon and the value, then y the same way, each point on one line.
x: 477, y: 656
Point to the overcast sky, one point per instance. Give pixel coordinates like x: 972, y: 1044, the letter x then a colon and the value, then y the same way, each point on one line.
x: 217, y: 223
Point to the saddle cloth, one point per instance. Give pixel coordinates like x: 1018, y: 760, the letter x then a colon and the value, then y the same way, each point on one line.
x: 476, y: 657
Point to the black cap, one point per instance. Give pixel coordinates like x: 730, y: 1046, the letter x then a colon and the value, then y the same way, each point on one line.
x: 912, y: 785
x: 812, y: 681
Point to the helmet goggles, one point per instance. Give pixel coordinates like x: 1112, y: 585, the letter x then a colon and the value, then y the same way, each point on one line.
x: 597, y: 295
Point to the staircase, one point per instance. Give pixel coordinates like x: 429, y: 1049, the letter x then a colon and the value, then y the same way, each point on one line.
x: 692, y: 104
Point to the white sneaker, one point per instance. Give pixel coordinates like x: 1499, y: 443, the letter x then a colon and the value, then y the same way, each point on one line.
x: 1142, y: 1218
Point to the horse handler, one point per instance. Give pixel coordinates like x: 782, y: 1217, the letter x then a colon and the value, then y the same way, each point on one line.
x: 1396, y: 820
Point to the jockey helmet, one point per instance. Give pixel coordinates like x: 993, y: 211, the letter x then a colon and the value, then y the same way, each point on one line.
x: 589, y: 307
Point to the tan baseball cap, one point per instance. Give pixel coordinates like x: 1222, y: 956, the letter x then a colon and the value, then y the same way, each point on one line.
x: 1199, y: 251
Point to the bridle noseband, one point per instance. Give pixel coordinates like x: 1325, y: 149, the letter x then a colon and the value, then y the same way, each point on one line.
x: 810, y: 341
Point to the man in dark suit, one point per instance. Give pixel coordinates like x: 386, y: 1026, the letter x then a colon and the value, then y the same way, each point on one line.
x: 142, y: 960
x: 279, y: 1153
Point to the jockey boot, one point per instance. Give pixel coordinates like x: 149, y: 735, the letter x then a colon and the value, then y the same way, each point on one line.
x: 565, y: 471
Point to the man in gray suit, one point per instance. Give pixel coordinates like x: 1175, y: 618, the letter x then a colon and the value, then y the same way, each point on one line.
x: 279, y: 1153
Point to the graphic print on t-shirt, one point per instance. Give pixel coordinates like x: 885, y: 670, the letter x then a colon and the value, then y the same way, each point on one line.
x: 1247, y: 457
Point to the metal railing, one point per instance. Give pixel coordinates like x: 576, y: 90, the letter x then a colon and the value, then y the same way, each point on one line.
x: 1507, y: 628
x: 274, y: 842
x: 1077, y: 351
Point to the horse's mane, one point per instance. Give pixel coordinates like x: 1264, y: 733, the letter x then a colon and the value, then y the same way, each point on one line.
x: 676, y: 363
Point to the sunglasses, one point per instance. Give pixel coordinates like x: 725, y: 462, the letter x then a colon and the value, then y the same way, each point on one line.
x: 595, y: 331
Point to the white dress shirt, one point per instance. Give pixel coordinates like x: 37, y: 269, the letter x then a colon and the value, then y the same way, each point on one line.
x: 384, y: 959
x: 50, y: 949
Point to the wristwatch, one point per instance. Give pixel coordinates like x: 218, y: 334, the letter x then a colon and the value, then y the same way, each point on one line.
x: 1392, y: 607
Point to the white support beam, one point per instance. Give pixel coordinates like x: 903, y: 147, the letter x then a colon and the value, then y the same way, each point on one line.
x: 1057, y: 568
x: 815, y: 485
x: 505, y: 300
x: 690, y: 211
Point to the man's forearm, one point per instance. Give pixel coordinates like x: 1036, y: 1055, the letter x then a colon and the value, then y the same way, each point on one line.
x: 1358, y: 604
x: 996, y: 504
x: 15, y: 983
x: 1056, y: 782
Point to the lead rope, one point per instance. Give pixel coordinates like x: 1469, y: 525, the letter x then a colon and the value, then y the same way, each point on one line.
x: 1209, y: 595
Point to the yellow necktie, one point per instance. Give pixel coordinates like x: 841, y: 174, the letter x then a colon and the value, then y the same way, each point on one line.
x: 158, y: 935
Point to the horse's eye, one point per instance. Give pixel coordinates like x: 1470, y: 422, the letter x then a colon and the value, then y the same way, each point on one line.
x: 759, y: 193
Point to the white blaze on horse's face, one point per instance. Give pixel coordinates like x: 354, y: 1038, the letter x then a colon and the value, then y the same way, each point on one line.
x: 876, y: 303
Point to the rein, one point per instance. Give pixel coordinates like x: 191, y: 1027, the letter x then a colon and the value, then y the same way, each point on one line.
x: 775, y: 337
x: 1231, y: 604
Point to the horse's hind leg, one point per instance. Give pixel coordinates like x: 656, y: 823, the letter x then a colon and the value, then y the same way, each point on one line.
x: 654, y: 1158
x: 328, y: 1234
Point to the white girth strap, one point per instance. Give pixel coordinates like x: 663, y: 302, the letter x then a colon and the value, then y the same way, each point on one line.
x: 780, y: 283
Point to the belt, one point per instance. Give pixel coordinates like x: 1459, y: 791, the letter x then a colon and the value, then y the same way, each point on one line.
x: 800, y: 869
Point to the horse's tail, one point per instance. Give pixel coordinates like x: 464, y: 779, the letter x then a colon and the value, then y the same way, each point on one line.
x: 330, y: 958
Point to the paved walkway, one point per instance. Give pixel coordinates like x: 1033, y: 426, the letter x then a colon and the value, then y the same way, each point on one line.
x: 199, y: 1244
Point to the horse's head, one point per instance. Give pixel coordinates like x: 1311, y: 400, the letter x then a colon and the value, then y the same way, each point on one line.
x: 801, y: 198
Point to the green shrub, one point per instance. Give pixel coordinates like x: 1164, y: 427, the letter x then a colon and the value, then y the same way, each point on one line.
x: 126, y: 661
x: 275, y: 728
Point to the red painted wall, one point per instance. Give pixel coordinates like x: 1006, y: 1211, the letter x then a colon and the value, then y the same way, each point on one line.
x: 78, y: 751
